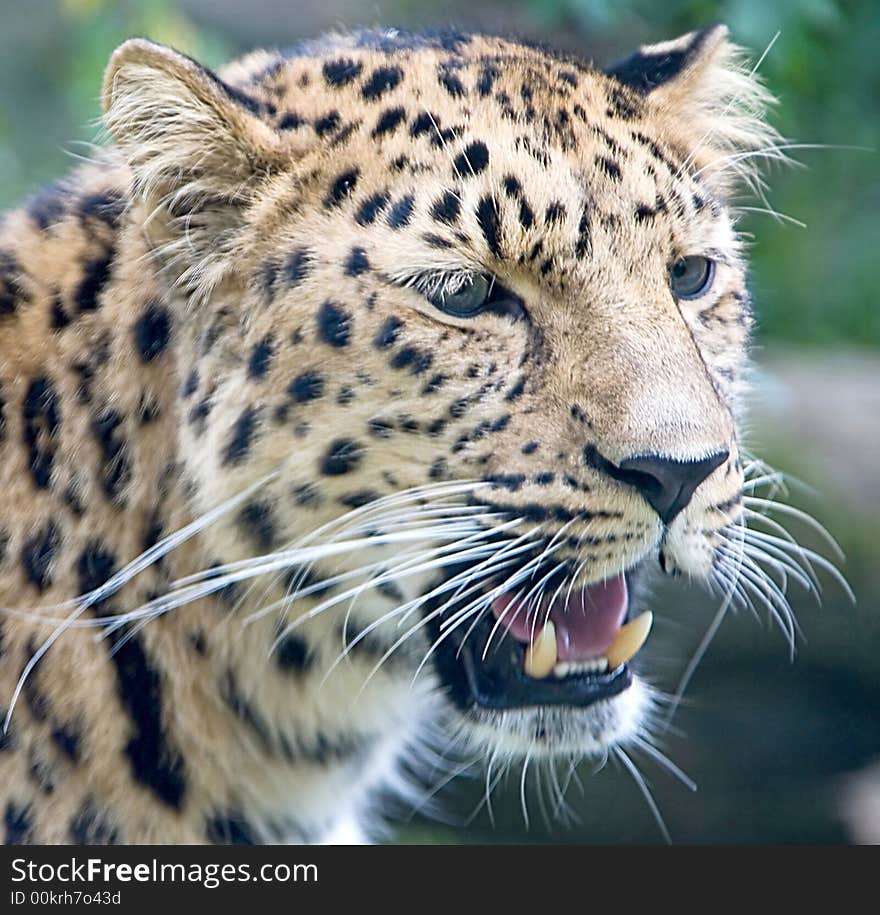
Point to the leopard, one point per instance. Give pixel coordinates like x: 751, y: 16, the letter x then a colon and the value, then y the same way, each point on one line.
x: 348, y: 395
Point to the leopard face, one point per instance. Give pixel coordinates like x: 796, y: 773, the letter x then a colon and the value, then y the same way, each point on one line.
x: 486, y: 304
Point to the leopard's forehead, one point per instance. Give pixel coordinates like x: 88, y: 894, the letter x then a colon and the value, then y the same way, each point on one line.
x: 480, y: 130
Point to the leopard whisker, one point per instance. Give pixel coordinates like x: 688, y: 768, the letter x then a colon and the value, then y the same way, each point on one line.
x: 645, y: 791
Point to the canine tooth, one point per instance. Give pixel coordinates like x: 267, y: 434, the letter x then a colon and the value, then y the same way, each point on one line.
x: 541, y: 654
x: 629, y: 640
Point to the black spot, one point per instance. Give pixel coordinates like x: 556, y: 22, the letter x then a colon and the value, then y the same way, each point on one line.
x: 623, y: 104
x: 41, y: 418
x: 447, y: 208
x: 583, y: 243
x: 199, y: 414
x: 370, y: 209
x: 198, y: 642
x: 242, y: 434
x: 529, y: 448
x: 401, y: 212
x: 424, y: 123
x: 488, y: 218
x: 645, y: 213
x: 380, y: 428
x: 450, y: 82
x: 342, y: 187
x: 357, y: 262
x: 382, y: 80
x: 48, y: 206
x: 516, y: 391
x: 612, y: 169
x: 388, y: 333
x: 11, y: 289
x: 342, y: 71
x: 555, y: 212
x: 106, y: 206
x: 343, y: 456
x: 389, y: 120
x: 326, y: 123
x: 293, y: 655
x: 512, y: 187
x: 307, y: 494
x: 17, y: 819
x: 334, y: 324
x: 95, y: 566
x: 90, y: 827
x: 436, y: 241
x: 230, y: 829
x: 472, y: 159
x: 191, y: 385
x: 488, y: 74
x: 153, y: 533
x: 296, y: 266
x: 148, y: 409
x: 67, y: 740
x: 95, y: 277
x: 154, y: 761
x: 59, y: 318
x: 416, y: 360
x: 261, y: 358
x: 509, y: 481
x: 290, y: 121
x: 307, y: 386
x: 152, y: 331
x: 359, y: 498
x: 37, y: 555
x: 434, y: 384
x: 438, y: 469
x: 117, y: 470
x: 545, y: 478
x: 526, y: 215
x: 258, y: 519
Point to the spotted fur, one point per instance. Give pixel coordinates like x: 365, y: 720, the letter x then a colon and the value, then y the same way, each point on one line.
x: 229, y: 307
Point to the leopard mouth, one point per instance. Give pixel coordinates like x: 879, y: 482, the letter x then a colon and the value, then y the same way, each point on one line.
x: 572, y: 650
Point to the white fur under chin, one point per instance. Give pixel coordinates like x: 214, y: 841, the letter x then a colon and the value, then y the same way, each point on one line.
x: 561, y: 732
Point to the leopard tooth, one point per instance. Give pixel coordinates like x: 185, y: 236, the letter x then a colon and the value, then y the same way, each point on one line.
x: 541, y: 654
x: 629, y: 640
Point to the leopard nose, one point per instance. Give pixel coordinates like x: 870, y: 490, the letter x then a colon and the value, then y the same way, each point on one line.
x: 667, y: 484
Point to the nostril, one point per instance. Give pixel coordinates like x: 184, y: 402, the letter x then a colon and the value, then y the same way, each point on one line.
x: 667, y: 484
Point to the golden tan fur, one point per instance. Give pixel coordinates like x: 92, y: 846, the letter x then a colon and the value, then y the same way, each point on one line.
x: 164, y: 301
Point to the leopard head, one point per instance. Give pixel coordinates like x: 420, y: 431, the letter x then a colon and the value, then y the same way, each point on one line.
x: 481, y: 310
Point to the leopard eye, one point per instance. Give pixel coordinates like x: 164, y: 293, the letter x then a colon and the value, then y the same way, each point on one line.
x: 468, y: 300
x: 691, y: 277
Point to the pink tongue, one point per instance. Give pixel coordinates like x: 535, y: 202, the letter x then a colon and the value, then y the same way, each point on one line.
x: 586, y: 623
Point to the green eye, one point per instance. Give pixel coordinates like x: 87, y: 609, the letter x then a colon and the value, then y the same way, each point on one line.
x: 691, y: 277
x: 468, y: 300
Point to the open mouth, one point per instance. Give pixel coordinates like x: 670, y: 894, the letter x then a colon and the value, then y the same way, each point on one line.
x: 571, y: 649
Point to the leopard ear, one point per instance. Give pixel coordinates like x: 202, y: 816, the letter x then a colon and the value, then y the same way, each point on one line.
x: 711, y: 103
x: 198, y: 149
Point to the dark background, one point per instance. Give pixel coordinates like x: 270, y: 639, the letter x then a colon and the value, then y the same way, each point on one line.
x: 772, y: 744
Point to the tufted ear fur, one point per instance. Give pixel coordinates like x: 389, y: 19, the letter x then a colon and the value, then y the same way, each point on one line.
x: 713, y: 104
x: 197, y: 148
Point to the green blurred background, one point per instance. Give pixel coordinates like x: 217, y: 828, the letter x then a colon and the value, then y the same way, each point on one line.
x: 771, y: 744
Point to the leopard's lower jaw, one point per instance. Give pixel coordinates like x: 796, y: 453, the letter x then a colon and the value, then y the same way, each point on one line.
x: 554, y: 733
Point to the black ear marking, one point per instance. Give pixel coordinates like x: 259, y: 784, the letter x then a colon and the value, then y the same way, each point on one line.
x: 653, y: 65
